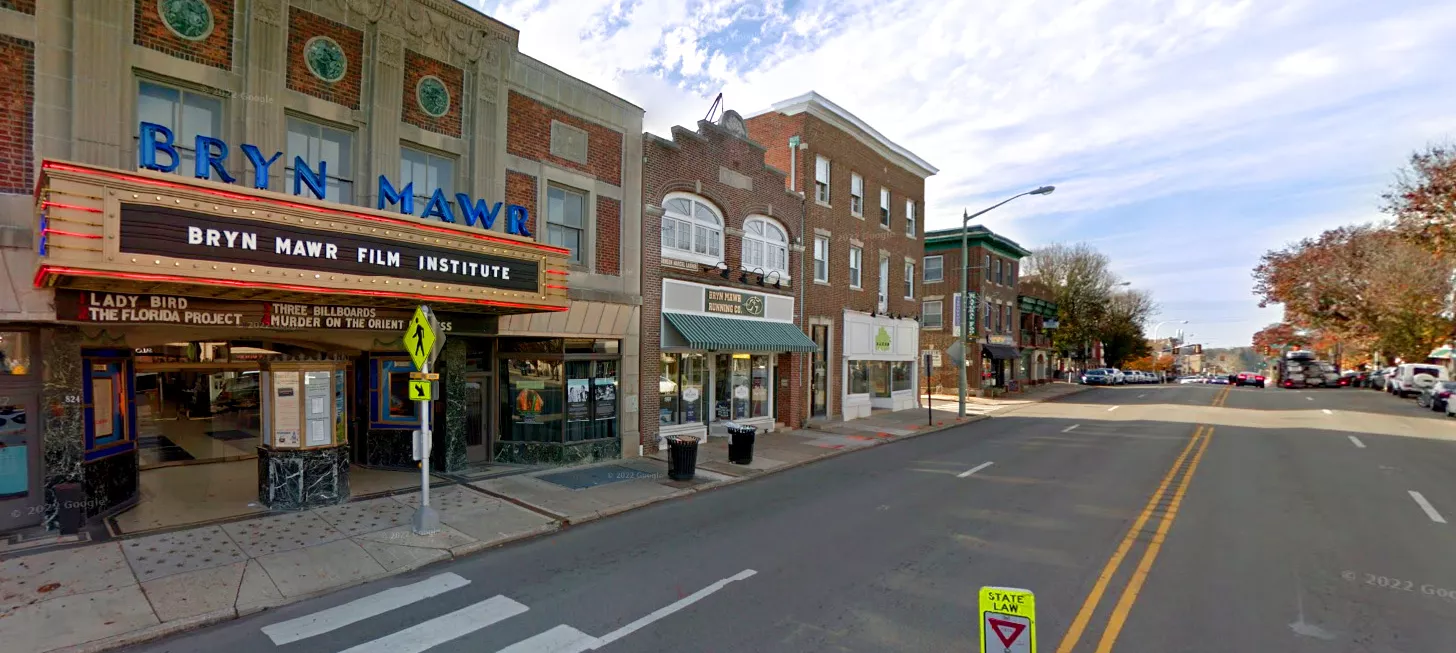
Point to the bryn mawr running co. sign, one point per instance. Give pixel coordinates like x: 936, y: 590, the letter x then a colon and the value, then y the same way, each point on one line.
x: 211, y: 153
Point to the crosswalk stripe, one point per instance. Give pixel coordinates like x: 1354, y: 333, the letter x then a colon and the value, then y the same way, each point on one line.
x: 337, y: 617
x: 437, y: 631
x: 561, y: 639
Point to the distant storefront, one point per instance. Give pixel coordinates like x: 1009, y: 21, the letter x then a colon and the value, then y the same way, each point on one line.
x: 880, y: 355
x: 720, y: 349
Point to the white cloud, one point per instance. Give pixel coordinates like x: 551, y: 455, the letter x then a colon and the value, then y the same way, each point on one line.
x: 1121, y: 103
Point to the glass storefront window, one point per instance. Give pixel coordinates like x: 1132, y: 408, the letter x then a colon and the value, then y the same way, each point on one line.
x: 535, y: 400
x: 759, y: 393
x: 859, y: 377
x: 14, y: 452
x: 880, y: 378
x: 14, y: 352
x: 669, y: 389
x: 578, y: 400
x: 604, y: 400
x: 900, y: 372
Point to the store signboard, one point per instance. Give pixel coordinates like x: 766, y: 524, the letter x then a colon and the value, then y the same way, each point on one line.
x: 127, y: 308
x: 159, y: 230
x: 732, y: 302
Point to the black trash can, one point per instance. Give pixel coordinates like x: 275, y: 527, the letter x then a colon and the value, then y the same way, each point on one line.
x: 740, y: 444
x: 682, y: 457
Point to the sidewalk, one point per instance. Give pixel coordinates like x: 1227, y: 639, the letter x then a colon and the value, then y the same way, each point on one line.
x: 116, y: 593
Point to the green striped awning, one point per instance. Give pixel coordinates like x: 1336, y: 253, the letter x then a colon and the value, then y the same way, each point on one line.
x: 727, y: 334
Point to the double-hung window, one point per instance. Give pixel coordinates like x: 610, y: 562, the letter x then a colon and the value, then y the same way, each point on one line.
x: 856, y: 266
x: 934, y: 269
x: 910, y: 225
x: 427, y: 172
x: 885, y: 207
x: 821, y: 179
x: 821, y: 258
x: 187, y: 113
x: 319, y: 145
x: 856, y: 194
x: 566, y: 219
x: 930, y: 315
x: 909, y: 280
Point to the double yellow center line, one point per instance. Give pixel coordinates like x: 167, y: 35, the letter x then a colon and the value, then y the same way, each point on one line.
x: 1180, y: 474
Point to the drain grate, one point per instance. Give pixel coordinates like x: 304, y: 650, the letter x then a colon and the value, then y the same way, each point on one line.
x: 580, y: 479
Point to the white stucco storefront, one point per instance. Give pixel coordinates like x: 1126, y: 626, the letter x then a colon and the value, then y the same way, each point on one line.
x: 720, y: 355
x: 879, y: 363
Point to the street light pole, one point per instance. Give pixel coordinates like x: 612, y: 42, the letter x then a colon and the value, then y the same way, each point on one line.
x: 965, y: 339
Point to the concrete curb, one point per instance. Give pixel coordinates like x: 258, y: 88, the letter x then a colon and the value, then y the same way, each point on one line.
x: 456, y: 553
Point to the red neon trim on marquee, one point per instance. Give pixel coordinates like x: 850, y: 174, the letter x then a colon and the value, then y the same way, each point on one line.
x: 88, y: 209
x: 59, y: 232
x: 560, y: 272
x: 552, y: 285
x: 304, y: 207
x: 142, y: 276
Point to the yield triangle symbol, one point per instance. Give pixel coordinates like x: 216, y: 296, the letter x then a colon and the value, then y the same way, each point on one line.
x: 1006, y: 631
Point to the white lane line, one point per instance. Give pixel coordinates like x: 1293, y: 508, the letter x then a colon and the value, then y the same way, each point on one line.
x: 670, y: 608
x: 1113, y: 408
x: 561, y: 639
x: 1327, y: 411
x: 973, y: 470
x: 1426, y: 506
x: 1142, y: 395
x: 1071, y: 428
x: 1356, y: 441
x: 1310, y: 398
x: 337, y: 617
x: 437, y: 631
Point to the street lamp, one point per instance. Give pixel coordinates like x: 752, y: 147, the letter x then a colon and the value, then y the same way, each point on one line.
x: 965, y: 338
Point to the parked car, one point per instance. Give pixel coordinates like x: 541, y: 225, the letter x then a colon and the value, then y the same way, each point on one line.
x: 1097, y: 377
x: 1118, y: 376
x: 1249, y: 378
x: 1410, y: 378
x: 1377, y: 378
x: 1436, y: 396
x: 1189, y: 380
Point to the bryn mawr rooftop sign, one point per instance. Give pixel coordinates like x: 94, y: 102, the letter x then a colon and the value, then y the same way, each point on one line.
x: 212, y: 152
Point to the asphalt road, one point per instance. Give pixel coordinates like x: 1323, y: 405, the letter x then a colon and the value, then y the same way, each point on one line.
x: 1258, y: 526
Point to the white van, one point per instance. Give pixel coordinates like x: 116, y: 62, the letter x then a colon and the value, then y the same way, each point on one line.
x: 1411, y: 378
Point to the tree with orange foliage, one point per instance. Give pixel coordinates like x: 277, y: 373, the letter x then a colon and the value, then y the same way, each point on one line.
x: 1423, y: 199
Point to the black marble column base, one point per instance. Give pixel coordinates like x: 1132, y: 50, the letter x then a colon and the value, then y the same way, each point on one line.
x: 556, y: 453
x: 302, y: 479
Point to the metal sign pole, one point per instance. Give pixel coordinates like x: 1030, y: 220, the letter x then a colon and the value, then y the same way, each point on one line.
x: 929, y: 416
x: 426, y: 520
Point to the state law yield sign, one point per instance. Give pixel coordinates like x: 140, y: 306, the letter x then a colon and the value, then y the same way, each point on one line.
x: 1008, y: 620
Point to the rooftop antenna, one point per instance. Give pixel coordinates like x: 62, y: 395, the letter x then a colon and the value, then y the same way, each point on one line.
x: 717, y: 107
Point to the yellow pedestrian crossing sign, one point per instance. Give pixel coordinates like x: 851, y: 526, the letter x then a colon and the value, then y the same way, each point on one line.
x: 421, y: 390
x: 420, y: 337
x: 1008, y: 620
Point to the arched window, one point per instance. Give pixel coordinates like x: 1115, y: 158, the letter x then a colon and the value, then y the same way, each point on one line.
x: 691, y: 229
x: 765, y: 246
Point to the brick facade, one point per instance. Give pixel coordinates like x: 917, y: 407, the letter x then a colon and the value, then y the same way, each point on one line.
x: 17, y: 115
x: 215, y: 49
x: 1001, y: 295
x: 303, y: 27
x: 418, y: 66
x: 22, y: 6
x: 521, y: 189
x: 609, y: 236
x: 528, y: 135
x: 728, y: 172
x: 826, y: 302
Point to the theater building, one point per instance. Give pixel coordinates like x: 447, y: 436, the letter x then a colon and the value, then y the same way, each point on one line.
x: 219, y: 218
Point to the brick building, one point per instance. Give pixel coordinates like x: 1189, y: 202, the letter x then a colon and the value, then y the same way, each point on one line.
x: 864, y: 223
x: 725, y: 279
x: 175, y: 275
x: 992, y: 282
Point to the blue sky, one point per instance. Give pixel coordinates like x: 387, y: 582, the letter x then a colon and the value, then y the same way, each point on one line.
x: 1185, y: 137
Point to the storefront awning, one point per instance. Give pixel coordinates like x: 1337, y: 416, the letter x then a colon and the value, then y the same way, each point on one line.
x: 999, y: 352
x: 727, y: 334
